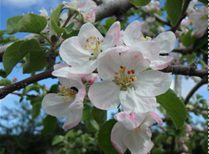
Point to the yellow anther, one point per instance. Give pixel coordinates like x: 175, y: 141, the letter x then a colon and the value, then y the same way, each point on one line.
x: 87, y: 40
x: 94, y: 37
x: 129, y: 72
x: 121, y: 67
x: 132, y: 71
x: 116, y: 73
x: 148, y: 38
x: 121, y: 71
x: 59, y: 94
x: 102, y: 41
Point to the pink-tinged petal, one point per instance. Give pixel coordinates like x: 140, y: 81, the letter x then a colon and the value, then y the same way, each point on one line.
x: 87, y: 6
x: 60, y: 65
x: 131, y: 101
x: 112, y: 37
x: 166, y: 41
x: 161, y: 63
x: 72, y: 52
x: 188, y: 128
x: 127, y: 120
x: 149, y: 49
x: 86, y: 31
x: 104, y: 95
x: 137, y: 142
x: 152, y: 83
x: 156, y: 117
x: 109, y: 62
x: 55, y: 106
x: 117, y: 134
x: 76, y: 109
x: 132, y: 33
x: 85, y: 69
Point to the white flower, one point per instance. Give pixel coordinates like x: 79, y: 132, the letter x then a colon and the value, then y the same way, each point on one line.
x: 81, y: 51
x: 132, y: 132
x: 126, y: 81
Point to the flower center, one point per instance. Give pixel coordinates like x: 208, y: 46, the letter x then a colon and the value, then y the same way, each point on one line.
x: 124, y: 78
x: 93, y: 44
x: 68, y: 92
x: 145, y: 39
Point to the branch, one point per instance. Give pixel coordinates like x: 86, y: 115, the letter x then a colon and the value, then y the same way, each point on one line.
x: 195, y: 88
x: 19, y: 94
x: 181, y: 17
x: 158, y: 18
x: 183, y: 51
x: 21, y: 84
x: 186, y: 70
x: 112, y: 7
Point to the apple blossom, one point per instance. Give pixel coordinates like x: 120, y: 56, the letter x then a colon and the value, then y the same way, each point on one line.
x: 132, y: 132
x: 152, y: 6
x: 86, y: 8
x: 81, y: 51
x: 151, y: 48
x: 126, y: 81
x: 91, y: 78
x: 69, y: 101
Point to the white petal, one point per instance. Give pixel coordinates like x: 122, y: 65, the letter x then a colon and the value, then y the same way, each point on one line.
x: 131, y: 101
x: 53, y: 105
x: 110, y: 62
x: 76, y: 109
x: 166, y: 41
x: 161, y: 63
x: 127, y: 120
x: 149, y: 49
x: 112, y: 37
x: 138, y: 143
x: 85, y: 69
x: 132, y: 33
x: 86, y: 31
x: 72, y: 52
x: 117, y: 134
x: 152, y: 83
x: 104, y: 95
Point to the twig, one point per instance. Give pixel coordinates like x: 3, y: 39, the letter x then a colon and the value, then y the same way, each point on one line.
x: 194, y: 89
x: 158, y: 18
x: 21, y: 84
x: 19, y: 94
x: 181, y: 17
x: 183, y: 51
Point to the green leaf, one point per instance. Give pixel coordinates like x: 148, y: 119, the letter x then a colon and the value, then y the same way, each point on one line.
x: 174, y: 8
x: 109, y: 22
x: 56, y: 12
x: 4, y: 82
x: 140, y: 2
x: 2, y: 150
x: 174, y: 107
x: 69, y: 28
x: 50, y: 124
x: 99, y: 116
x: 3, y: 73
x: 12, y: 56
x: 57, y: 139
x: 104, y: 137
x: 56, y: 28
x: 36, y: 107
x: 188, y: 38
x: 11, y: 25
x: 30, y: 22
x: 30, y: 88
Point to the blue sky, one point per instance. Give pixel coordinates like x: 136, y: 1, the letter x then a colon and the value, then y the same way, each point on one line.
x: 11, y: 8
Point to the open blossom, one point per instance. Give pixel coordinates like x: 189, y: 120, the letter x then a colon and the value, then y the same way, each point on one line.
x: 81, y: 51
x: 163, y: 43
x: 69, y: 101
x: 86, y: 8
x: 126, y: 81
x: 132, y: 132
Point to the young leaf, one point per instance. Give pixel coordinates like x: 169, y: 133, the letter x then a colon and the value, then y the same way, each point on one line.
x: 36, y: 107
x: 174, y: 8
x: 56, y: 28
x: 56, y: 12
x: 69, y: 28
x: 140, y: 2
x: 99, y: 116
x: 57, y: 139
x: 49, y: 123
x: 30, y: 88
x: 174, y: 107
x: 4, y: 82
x: 188, y: 38
x: 104, y: 137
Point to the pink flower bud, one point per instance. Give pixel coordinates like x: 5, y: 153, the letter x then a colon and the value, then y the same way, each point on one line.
x: 14, y: 79
x: 181, y: 142
x: 188, y: 128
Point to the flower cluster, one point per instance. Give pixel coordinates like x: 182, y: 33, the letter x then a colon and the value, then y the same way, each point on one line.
x: 128, y: 64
